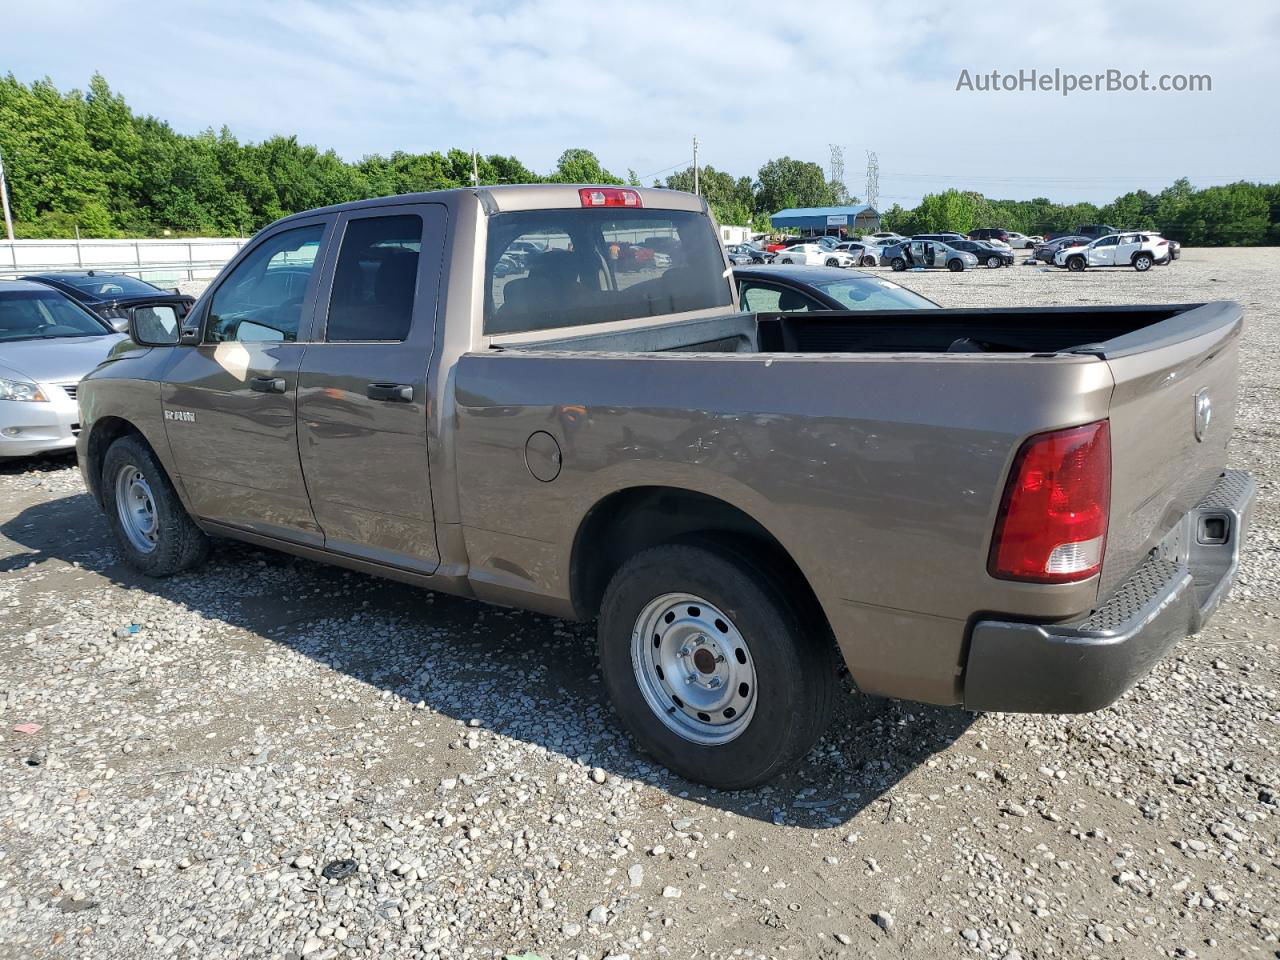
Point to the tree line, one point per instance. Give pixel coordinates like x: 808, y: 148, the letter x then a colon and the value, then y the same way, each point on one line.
x: 84, y: 160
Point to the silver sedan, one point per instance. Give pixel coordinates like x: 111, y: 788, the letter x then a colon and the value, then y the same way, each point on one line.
x: 48, y: 343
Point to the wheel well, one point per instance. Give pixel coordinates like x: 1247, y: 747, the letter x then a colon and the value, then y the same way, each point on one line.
x: 106, y: 431
x: 1142, y: 253
x: 626, y: 522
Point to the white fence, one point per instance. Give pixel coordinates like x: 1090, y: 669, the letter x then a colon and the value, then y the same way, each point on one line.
x: 165, y: 263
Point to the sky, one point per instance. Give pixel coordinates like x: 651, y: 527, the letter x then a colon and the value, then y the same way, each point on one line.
x: 636, y: 82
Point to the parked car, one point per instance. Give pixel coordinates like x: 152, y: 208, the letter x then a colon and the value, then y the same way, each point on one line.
x: 1175, y: 250
x: 111, y: 295
x: 791, y: 288
x: 752, y: 253
x: 865, y: 254
x: 990, y: 233
x: 1137, y: 250
x: 736, y: 258
x: 48, y: 342
x: 987, y: 253
x: 816, y: 254
x: 886, y: 236
x: 942, y: 237
x: 931, y: 254
x: 1047, y: 249
x: 1020, y: 241
x: 950, y: 498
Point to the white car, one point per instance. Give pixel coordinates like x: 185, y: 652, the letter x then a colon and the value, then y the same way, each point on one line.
x: 1020, y: 241
x: 885, y: 238
x: 1137, y: 250
x: 866, y: 253
x: 816, y: 255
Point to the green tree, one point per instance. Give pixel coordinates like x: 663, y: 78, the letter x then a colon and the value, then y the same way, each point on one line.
x: 785, y: 183
x: 577, y: 165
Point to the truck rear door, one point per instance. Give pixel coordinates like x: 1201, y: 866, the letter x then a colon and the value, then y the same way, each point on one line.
x: 362, y: 392
x: 1171, y: 412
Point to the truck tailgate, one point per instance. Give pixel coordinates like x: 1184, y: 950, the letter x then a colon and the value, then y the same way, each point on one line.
x: 1172, y: 413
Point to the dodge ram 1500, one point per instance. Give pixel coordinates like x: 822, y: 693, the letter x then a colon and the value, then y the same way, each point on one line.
x: 546, y: 396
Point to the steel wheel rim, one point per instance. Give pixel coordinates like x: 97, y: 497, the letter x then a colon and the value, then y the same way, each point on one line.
x: 694, y: 669
x: 136, y: 508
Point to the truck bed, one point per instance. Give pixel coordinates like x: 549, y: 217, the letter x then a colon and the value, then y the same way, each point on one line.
x: 1100, y: 331
x: 873, y: 446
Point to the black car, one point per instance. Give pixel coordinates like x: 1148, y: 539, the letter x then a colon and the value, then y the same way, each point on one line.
x: 793, y: 288
x: 991, y: 256
x: 989, y: 233
x: 110, y: 295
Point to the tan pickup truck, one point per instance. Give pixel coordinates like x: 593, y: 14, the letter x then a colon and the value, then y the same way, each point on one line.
x: 547, y: 397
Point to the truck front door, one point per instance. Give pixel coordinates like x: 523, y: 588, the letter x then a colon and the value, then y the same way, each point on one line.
x: 362, y: 396
x: 230, y: 401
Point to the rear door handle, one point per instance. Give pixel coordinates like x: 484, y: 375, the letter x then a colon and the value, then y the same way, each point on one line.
x: 394, y: 392
x: 267, y: 384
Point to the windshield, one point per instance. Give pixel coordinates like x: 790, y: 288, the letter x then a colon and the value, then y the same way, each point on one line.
x: 39, y: 315
x: 110, y: 286
x: 872, y: 293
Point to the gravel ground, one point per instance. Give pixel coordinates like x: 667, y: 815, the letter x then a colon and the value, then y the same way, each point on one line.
x: 272, y: 758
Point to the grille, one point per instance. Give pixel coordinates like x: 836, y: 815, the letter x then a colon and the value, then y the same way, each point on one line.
x: 69, y: 389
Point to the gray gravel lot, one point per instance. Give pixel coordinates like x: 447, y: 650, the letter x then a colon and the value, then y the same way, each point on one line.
x: 209, y: 744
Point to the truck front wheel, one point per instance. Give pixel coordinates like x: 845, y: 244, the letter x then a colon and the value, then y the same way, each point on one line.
x: 150, y: 523
x: 710, y: 667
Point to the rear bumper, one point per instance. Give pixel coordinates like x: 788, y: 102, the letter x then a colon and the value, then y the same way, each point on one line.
x: 1086, y: 665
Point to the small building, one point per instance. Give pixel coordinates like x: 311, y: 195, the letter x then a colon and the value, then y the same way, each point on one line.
x: 837, y: 221
x: 733, y: 234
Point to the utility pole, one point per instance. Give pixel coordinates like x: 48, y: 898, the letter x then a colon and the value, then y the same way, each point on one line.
x: 696, y: 191
x: 475, y: 170
x: 872, y: 193
x: 837, y: 164
x: 4, y: 201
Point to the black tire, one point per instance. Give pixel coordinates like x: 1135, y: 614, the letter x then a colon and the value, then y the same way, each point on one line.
x: 832, y: 262
x: 1075, y: 264
x: 868, y: 261
x: 1142, y: 262
x: 796, y: 675
x: 898, y: 264
x: 955, y: 266
x: 786, y: 259
x: 993, y: 262
x: 179, y: 544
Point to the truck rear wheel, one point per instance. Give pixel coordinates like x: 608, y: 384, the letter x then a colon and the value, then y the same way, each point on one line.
x: 710, y: 667
x: 150, y: 523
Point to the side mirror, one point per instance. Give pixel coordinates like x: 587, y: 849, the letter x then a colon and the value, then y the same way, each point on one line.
x: 154, y: 325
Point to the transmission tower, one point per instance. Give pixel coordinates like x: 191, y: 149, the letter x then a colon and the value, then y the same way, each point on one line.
x: 837, y: 163
x: 872, y: 192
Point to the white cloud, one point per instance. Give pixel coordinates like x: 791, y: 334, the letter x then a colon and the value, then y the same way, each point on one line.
x: 753, y: 79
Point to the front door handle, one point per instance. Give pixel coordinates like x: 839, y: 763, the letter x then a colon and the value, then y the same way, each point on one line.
x: 267, y: 384
x: 394, y: 392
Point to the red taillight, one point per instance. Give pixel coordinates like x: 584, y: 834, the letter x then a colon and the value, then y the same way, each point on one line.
x: 1052, y: 526
x: 609, y: 197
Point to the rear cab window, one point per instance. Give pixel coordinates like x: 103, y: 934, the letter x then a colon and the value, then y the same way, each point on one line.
x: 549, y: 269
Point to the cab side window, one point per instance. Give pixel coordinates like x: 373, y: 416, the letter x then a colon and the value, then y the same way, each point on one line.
x: 261, y: 299
x: 376, y: 279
